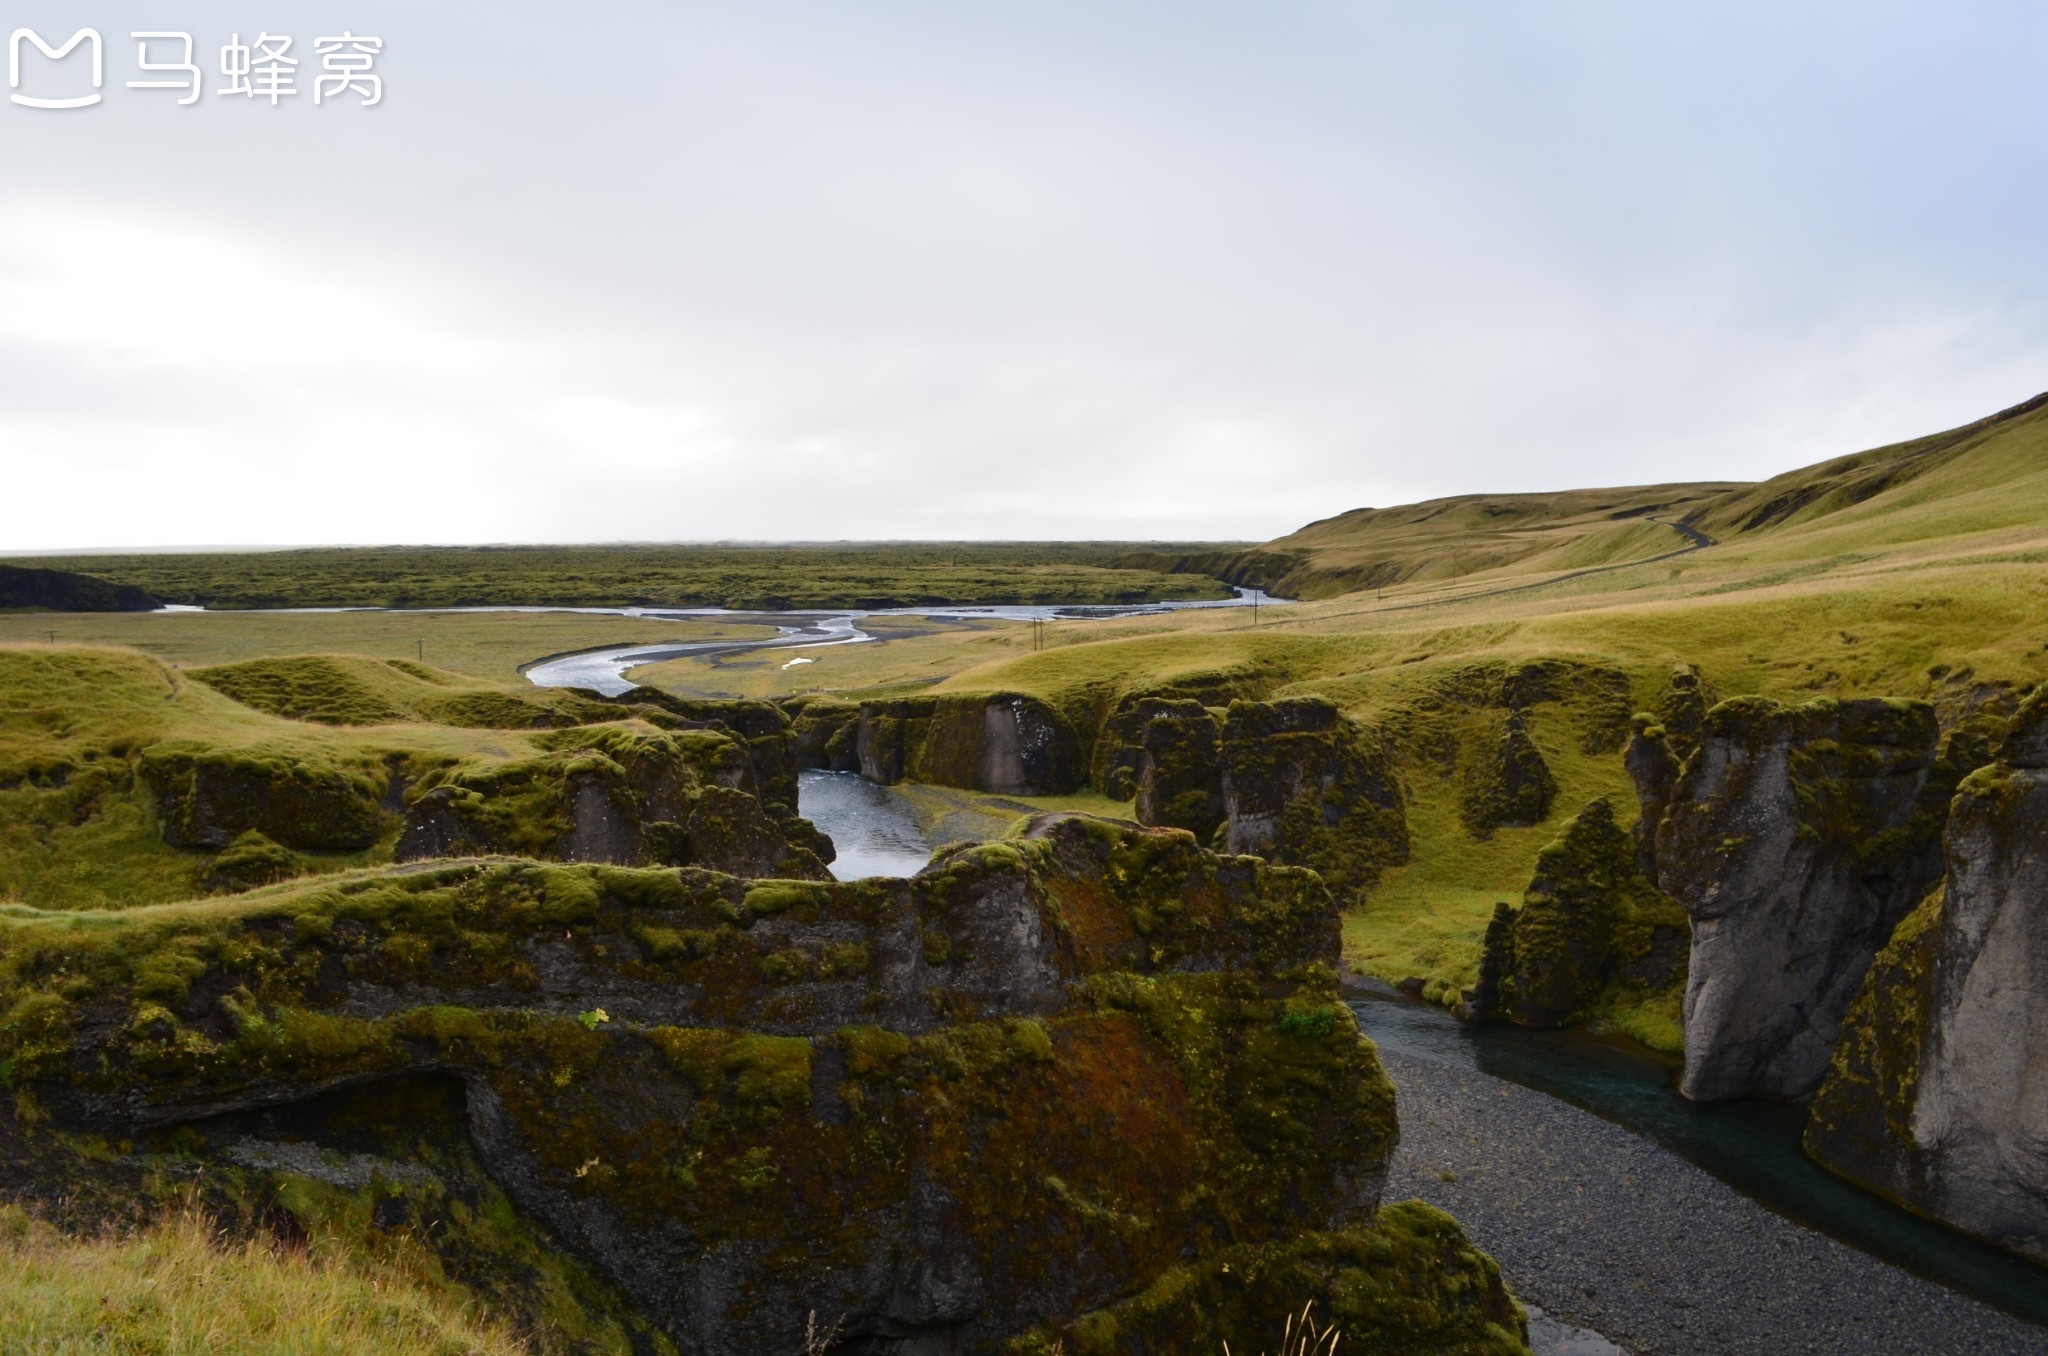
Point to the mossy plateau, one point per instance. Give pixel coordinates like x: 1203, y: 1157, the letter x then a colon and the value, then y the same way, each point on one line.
x: 122, y: 783
x: 353, y: 690
x: 742, y: 1102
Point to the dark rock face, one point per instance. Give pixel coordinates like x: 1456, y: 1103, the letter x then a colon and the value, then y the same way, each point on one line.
x: 1119, y: 742
x: 1305, y: 786
x: 210, y: 797
x: 1682, y: 710
x: 1796, y: 838
x: 766, y: 763
x: 1936, y: 1095
x: 1180, y: 772
x: 63, y: 591
x: 1590, y: 925
x: 825, y: 733
x: 1511, y: 786
x: 1653, y: 765
x: 620, y: 797
x: 1007, y: 744
x: 974, y: 1111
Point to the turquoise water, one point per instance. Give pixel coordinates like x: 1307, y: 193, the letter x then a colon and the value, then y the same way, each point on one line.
x: 1752, y: 1146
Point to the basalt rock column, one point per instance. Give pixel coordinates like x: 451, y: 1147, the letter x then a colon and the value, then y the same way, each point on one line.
x: 1796, y: 839
x: 1939, y: 1092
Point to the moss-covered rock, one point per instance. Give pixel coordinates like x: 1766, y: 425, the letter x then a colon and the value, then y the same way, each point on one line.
x: 614, y: 794
x: 1934, y: 1095
x: 208, y: 797
x: 1682, y: 710
x: 1305, y: 786
x: 1180, y: 772
x: 952, y: 1112
x: 1410, y: 1283
x: 1508, y: 785
x: 1593, y: 934
x: 1796, y: 838
x: 1653, y: 766
x: 824, y: 733
x: 763, y: 761
x: 251, y: 861
x: 1118, y: 752
x: 1008, y: 744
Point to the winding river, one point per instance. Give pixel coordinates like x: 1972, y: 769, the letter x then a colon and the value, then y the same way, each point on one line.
x: 605, y: 670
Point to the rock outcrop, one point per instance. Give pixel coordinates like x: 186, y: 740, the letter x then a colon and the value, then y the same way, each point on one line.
x: 1008, y: 744
x: 1180, y: 768
x: 64, y: 591
x: 611, y: 794
x: 1093, y: 1087
x: 1796, y: 838
x: 1593, y: 933
x: 825, y: 733
x: 1305, y: 786
x: 208, y: 797
x: 767, y: 763
x: 1291, y: 780
x: 1509, y: 785
x: 1937, y: 1096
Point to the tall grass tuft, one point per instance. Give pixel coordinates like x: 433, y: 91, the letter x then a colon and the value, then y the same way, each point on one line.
x: 179, y: 1287
x: 1303, y: 1336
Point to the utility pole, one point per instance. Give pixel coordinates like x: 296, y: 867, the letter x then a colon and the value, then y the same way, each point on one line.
x: 422, y: 649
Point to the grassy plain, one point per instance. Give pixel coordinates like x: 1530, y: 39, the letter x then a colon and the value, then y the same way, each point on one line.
x: 844, y: 574
x: 488, y: 645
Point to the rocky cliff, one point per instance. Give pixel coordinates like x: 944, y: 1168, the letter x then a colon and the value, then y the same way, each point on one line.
x: 1937, y: 1096
x: 1593, y: 934
x: 1795, y: 838
x: 1304, y: 785
x: 1008, y: 744
x: 1291, y: 780
x: 611, y: 794
x: 1093, y: 1088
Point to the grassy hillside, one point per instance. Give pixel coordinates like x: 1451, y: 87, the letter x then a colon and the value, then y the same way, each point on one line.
x: 867, y: 574
x: 1449, y: 539
x: 1931, y: 584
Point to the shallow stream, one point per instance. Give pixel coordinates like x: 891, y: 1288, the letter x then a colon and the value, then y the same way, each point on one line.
x: 1752, y: 1146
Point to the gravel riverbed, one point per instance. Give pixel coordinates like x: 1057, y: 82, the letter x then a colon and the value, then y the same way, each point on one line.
x: 1608, y: 1232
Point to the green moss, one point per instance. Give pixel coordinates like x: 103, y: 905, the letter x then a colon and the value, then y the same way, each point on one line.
x: 1861, y: 1124
x: 1592, y: 938
x: 1362, y: 1282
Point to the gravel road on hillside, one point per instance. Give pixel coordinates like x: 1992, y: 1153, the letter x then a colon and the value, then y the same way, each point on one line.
x: 1609, y: 1232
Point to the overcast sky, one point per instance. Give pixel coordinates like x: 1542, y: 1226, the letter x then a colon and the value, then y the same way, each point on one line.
x: 677, y: 271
